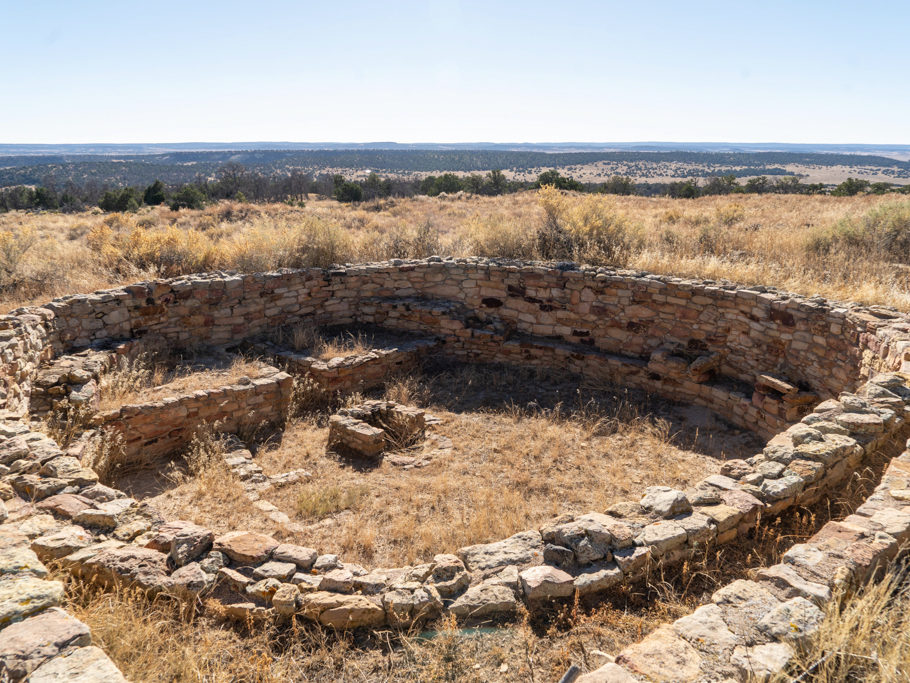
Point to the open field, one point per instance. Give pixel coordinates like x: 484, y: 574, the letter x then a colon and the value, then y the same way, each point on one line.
x: 850, y: 248
x: 512, y: 464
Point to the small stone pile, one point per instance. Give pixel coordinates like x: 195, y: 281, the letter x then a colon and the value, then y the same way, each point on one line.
x: 372, y: 427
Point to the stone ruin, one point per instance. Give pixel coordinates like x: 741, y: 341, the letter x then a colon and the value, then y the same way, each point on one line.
x: 825, y: 382
x: 372, y: 427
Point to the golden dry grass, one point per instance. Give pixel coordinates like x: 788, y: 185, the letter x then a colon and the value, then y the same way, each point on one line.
x: 152, y: 377
x: 154, y: 641
x: 512, y: 466
x: 864, y: 636
x: 752, y: 239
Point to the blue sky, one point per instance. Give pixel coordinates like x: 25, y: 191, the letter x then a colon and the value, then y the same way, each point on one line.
x: 825, y: 71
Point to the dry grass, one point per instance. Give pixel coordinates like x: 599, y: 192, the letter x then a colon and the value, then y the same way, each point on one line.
x: 752, y: 239
x: 156, y: 641
x: 864, y: 636
x: 150, y: 377
x: 573, y: 449
x: 324, y: 344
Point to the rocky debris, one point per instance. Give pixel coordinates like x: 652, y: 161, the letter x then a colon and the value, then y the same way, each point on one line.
x: 411, y: 603
x: 62, y: 543
x: 131, y: 565
x: 27, y: 644
x: 275, y: 570
x: 372, y: 427
x: 300, y: 556
x: 263, y: 589
x: 286, y: 599
x: 245, y: 547
x: 597, y: 579
x: 524, y: 548
x: 449, y: 576
x: 663, y: 536
x: 587, y: 538
x: 65, y: 504
x: 326, y: 563
x: 183, y: 541
x: 191, y: 579
x: 339, y: 580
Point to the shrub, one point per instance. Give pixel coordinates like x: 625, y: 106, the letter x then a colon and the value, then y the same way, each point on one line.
x: 13, y: 246
x: 729, y: 214
x: 584, y: 229
x: 882, y: 233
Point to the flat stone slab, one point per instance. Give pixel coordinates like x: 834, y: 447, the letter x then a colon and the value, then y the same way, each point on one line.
x: 84, y: 665
x: 523, y: 548
x: 21, y: 596
x: 341, y: 611
x: 662, y: 656
x: 246, y: 547
x: 27, y: 644
x: 484, y: 600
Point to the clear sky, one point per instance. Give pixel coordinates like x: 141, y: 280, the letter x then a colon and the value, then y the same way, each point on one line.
x: 455, y: 71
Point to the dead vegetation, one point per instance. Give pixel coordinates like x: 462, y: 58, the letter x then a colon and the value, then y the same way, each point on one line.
x: 574, y: 448
x: 154, y: 640
x: 158, y: 374
x: 840, y: 247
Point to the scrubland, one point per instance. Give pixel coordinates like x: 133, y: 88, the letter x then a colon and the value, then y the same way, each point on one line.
x: 851, y: 248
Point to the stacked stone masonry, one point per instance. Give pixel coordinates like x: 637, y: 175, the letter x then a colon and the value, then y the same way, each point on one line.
x: 752, y: 354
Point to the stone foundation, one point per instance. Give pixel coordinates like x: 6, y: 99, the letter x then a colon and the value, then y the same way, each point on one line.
x: 372, y: 427
x: 762, y: 358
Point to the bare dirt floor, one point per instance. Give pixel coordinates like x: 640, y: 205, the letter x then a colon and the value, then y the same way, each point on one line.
x: 509, y: 449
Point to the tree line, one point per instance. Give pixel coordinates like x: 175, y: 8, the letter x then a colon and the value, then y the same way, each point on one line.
x: 236, y: 182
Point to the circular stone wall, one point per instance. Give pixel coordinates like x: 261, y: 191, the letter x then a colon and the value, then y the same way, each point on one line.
x: 770, y: 361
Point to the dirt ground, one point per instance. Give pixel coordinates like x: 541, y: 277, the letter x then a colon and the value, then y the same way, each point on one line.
x: 513, y: 447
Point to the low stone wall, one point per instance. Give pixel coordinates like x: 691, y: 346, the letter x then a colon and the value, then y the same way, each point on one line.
x: 147, y: 432
x: 759, y: 357
x: 812, y: 344
x: 39, y: 640
x: 353, y: 372
x: 101, y: 534
x: 751, y: 627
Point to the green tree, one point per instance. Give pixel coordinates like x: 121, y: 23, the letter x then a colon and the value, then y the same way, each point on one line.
x: 850, y: 187
x: 44, y: 198
x: 189, y: 197
x: 560, y: 182
x: 154, y: 194
x: 618, y: 184
x: 124, y: 199
x: 348, y: 192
